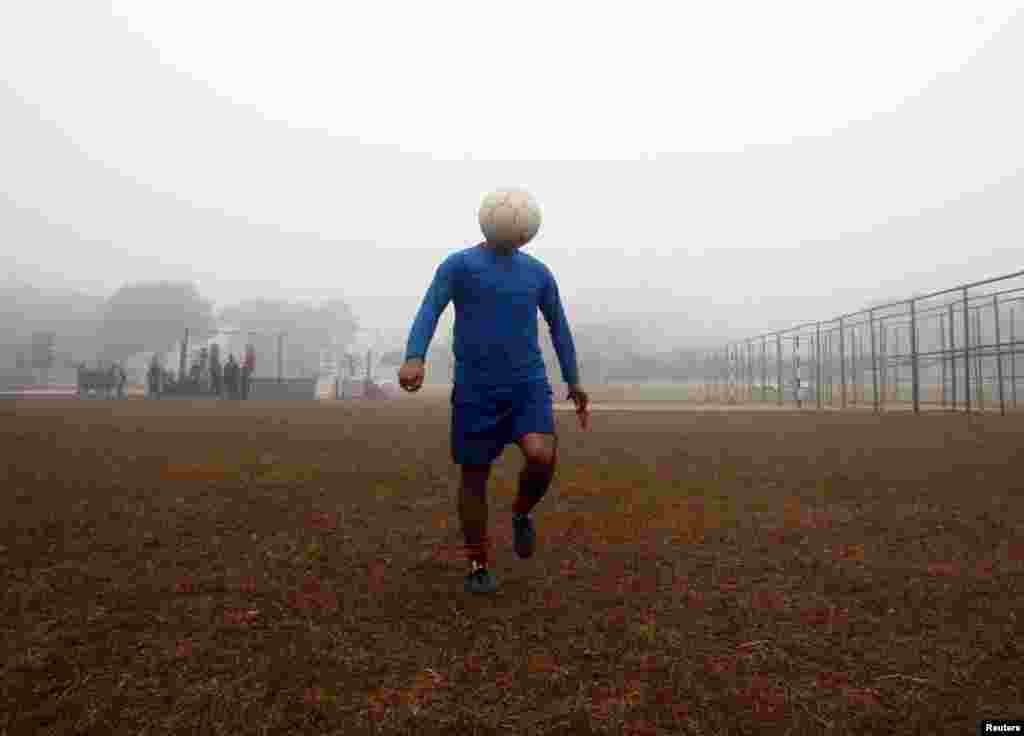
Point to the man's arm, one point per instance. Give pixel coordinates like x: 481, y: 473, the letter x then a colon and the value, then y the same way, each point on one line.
x: 434, y: 303
x: 561, y: 336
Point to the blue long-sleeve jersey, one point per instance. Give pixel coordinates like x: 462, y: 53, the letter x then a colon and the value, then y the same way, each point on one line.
x: 496, y: 299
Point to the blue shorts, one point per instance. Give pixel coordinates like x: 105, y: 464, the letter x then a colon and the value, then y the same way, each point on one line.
x: 486, y: 419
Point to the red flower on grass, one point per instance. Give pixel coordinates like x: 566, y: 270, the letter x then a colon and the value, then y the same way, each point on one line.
x: 448, y: 553
x: 767, y: 700
x: 816, y: 520
x: 322, y: 520
x: 849, y: 551
x: 1015, y: 551
x: 504, y: 680
x: 600, y: 710
x: 664, y: 696
x: 552, y: 599
x: 568, y: 568
x: 185, y: 585
x: 616, y: 617
x: 863, y: 696
x: 643, y: 584
x: 311, y: 596
x: 777, y: 536
x: 647, y: 663
x: 832, y: 680
x: 984, y: 568
x: 718, y: 665
x: 376, y: 711
x: 825, y: 615
x: 695, y: 599
x: 247, y: 585
x: 639, y: 728
x: 728, y: 585
x: 183, y: 648
x: 680, y: 711
x: 944, y: 569
x: 771, y: 709
x: 472, y: 664
x: 601, y: 693
x: 240, y: 616
x: 375, y: 572
x: 767, y: 600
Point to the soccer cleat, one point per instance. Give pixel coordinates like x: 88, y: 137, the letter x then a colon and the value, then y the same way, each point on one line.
x: 525, y: 535
x: 480, y: 580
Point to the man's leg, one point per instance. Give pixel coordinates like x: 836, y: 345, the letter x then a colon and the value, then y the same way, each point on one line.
x: 473, y: 511
x: 540, y: 453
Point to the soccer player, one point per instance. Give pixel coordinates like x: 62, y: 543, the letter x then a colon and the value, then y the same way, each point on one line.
x: 501, y: 393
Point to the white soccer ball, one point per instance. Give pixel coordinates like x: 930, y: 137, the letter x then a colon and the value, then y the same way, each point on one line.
x: 509, y: 216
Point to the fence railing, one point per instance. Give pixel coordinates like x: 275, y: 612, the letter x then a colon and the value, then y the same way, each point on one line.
x: 955, y: 349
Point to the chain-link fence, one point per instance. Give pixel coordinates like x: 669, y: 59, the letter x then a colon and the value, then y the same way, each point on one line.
x: 956, y: 349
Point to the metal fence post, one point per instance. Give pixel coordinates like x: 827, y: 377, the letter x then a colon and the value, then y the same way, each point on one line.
x: 979, y: 357
x: 842, y: 360
x: 942, y: 356
x: 778, y: 364
x: 826, y: 369
x: 753, y: 368
x: 874, y: 360
x: 1013, y: 361
x: 817, y: 364
x: 764, y: 369
x: 952, y: 357
x: 853, y: 366
x: 915, y: 386
x: 883, y: 359
x: 999, y: 356
x: 896, y: 366
x: 796, y: 370
x: 967, y: 353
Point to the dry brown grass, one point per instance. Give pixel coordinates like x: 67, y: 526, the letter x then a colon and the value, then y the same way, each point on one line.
x: 186, y: 567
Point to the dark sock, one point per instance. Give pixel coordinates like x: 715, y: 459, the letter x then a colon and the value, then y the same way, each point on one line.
x: 533, y: 484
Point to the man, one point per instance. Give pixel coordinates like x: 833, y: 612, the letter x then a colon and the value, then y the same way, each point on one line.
x: 248, y: 366
x: 216, y: 370
x: 231, y: 377
x: 501, y: 393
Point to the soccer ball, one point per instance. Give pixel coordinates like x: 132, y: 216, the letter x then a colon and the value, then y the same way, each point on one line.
x: 509, y: 216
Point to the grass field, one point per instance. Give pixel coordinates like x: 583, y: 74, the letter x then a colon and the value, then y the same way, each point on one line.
x: 191, y: 567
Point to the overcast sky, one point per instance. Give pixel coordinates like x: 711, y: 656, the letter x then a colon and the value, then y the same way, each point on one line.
x: 702, y: 166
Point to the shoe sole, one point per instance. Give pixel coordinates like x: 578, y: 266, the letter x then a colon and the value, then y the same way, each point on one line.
x: 481, y: 591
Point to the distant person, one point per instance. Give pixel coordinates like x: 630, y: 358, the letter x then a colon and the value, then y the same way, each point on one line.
x: 153, y: 377
x: 216, y: 371
x: 122, y: 379
x: 231, y: 376
x: 248, y: 365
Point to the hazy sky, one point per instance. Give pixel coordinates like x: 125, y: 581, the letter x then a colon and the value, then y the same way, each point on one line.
x: 741, y: 164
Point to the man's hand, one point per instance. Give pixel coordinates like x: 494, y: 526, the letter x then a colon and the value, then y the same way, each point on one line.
x: 582, y: 401
x: 410, y: 375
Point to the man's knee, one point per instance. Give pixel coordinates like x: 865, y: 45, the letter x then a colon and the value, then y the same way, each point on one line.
x: 540, y: 450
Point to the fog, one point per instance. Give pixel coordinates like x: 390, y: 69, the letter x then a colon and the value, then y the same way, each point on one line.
x: 703, y: 175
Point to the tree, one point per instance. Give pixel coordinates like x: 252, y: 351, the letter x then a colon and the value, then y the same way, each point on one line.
x: 309, y: 329
x: 147, y: 317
